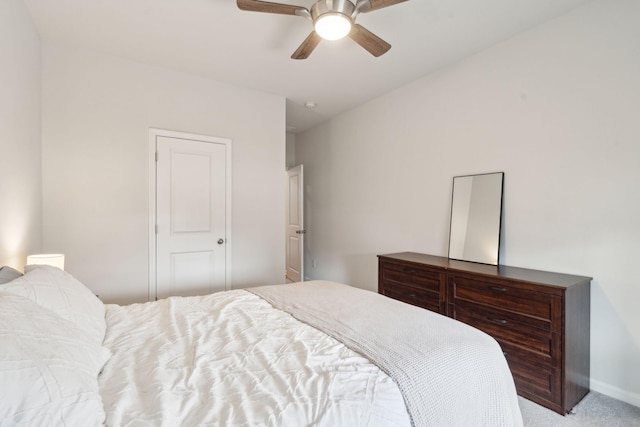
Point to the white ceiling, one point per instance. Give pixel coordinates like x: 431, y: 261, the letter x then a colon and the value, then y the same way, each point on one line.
x: 213, y: 38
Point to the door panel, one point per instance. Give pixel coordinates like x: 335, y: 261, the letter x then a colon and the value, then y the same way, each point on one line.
x: 191, y: 272
x: 191, y: 204
x: 190, y: 217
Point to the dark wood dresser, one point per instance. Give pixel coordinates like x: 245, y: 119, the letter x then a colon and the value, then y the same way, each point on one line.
x: 540, y: 319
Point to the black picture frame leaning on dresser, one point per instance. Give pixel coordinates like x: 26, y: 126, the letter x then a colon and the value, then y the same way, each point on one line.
x: 540, y: 319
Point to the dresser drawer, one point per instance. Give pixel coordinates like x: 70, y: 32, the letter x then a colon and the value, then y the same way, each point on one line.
x: 531, y: 333
x: 421, y: 278
x: 415, y: 296
x: 533, y: 373
x: 504, y: 296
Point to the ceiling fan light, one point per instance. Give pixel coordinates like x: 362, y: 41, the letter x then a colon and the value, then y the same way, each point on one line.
x: 332, y: 26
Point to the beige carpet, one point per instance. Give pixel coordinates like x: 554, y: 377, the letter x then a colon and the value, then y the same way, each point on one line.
x: 595, y: 410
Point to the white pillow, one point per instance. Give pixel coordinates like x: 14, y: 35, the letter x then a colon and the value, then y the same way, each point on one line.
x: 7, y: 274
x: 60, y: 292
x: 48, y: 368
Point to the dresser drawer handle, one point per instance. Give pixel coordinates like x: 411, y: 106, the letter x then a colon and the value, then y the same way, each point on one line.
x: 408, y: 270
x: 411, y: 295
x: 497, y: 289
x: 498, y: 321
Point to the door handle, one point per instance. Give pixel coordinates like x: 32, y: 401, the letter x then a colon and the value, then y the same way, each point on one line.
x: 301, y: 232
x: 220, y: 241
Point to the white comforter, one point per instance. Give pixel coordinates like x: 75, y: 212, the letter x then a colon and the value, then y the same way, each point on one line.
x: 231, y: 359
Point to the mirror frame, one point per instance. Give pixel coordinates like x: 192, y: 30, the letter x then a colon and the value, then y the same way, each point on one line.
x: 494, y: 257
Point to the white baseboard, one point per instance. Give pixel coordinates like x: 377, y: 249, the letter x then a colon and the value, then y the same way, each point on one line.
x: 615, y: 392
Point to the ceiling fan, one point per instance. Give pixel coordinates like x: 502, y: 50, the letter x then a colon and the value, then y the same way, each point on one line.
x: 332, y: 20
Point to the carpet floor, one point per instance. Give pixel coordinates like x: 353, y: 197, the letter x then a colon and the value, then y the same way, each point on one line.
x: 595, y: 410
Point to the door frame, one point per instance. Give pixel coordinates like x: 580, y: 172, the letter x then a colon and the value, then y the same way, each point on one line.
x: 153, y: 134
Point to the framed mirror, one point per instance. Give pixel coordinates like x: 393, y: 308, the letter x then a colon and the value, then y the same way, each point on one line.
x: 476, y: 218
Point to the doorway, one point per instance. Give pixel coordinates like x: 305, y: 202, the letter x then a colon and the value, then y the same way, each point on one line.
x: 190, y: 212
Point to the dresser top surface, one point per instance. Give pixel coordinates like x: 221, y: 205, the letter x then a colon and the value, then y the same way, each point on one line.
x: 513, y: 273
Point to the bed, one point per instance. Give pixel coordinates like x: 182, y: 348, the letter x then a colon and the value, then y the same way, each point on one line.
x: 306, y: 354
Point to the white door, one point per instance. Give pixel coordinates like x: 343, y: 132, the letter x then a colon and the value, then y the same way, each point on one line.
x: 295, y: 230
x: 191, y: 216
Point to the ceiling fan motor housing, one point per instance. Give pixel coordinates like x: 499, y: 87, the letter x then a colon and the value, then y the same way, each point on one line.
x: 323, y: 7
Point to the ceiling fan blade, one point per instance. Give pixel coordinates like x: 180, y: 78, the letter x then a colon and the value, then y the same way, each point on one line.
x: 369, y: 5
x: 307, y: 46
x: 369, y: 41
x: 268, y: 7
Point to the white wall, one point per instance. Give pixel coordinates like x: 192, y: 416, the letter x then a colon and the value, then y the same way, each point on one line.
x: 97, y: 111
x: 20, y: 149
x: 291, y: 150
x: 558, y: 110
